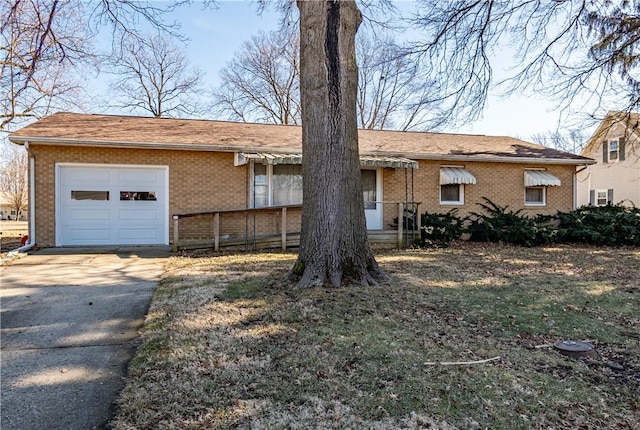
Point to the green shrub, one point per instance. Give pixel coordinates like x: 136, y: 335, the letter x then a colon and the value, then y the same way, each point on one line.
x: 503, y: 225
x: 611, y: 225
x: 438, y: 229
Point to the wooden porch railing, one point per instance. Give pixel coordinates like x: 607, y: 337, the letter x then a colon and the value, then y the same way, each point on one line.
x: 284, y: 235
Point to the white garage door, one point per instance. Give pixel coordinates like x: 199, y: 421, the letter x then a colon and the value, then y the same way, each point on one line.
x: 111, y: 205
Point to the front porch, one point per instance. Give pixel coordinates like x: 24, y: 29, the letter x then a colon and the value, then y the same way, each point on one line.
x: 277, y: 227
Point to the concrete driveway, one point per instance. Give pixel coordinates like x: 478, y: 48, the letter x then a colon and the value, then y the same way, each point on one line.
x: 69, y: 326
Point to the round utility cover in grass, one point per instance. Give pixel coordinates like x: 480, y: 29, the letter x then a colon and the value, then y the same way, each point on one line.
x: 575, y: 348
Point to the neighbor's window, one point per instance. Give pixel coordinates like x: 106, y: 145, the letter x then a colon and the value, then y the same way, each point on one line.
x: 613, y: 150
x: 602, y: 197
x: 138, y: 195
x: 89, y: 195
x: 452, y: 194
x: 535, y: 196
x: 279, y: 185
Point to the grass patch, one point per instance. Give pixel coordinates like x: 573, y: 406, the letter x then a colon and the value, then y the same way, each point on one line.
x: 228, y: 344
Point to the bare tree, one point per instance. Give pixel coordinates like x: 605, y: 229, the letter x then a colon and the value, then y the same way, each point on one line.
x: 389, y: 95
x: 154, y: 76
x: 44, y: 41
x: 262, y: 83
x: 570, y: 141
x: 13, y: 178
x: 39, y: 38
x: 582, y: 52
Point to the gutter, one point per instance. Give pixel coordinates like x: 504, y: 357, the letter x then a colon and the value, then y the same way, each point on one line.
x: 245, y: 148
x: 32, y: 212
x: 575, y: 185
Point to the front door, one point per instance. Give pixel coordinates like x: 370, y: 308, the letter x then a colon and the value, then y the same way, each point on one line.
x: 372, y: 193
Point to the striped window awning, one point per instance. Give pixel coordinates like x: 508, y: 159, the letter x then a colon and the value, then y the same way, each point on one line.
x: 365, y: 160
x: 540, y: 178
x: 456, y: 175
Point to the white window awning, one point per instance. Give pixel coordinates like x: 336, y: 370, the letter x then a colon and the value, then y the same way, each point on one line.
x: 242, y: 158
x: 540, y: 178
x: 456, y: 175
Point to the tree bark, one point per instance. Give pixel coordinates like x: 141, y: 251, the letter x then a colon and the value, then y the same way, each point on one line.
x: 334, y: 247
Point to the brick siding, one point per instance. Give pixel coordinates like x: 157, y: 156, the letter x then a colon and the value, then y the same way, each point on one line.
x: 206, y: 181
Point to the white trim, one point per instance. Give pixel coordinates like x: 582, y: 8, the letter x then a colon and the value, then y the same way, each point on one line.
x: 606, y: 196
x: 460, y: 202
x: 536, y: 204
x: 609, y: 151
x: 57, y: 191
x: 379, y: 196
x: 229, y: 148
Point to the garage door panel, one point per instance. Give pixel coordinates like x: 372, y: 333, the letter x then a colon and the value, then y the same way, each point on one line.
x: 91, y: 211
x: 138, y: 177
x: 138, y: 215
x: 87, y: 176
x: 133, y: 235
x: 82, y: 236
x: 90, y: 214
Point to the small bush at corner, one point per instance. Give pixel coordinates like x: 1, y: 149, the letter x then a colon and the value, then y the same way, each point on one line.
x: 440, y: 229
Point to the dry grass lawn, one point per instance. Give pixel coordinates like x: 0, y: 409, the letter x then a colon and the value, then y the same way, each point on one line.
x: 228, y: 344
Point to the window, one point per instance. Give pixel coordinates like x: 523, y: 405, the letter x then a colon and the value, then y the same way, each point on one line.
x: 602, y: 197
x: 278, y: 185
x: 369, y: 188
x: 452, y: 194
x: 535, y: 196
x: 138, y: 195
x: 613, y: 150
x: 90, y: 195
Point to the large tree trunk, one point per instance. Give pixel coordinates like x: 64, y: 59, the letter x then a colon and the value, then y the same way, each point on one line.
x: 334, y: 247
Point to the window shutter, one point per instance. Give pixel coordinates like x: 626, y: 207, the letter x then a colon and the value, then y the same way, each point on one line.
x: 621, y: 149
x: 592, y: 197
x: 610, y: 195
x: 605, y: 152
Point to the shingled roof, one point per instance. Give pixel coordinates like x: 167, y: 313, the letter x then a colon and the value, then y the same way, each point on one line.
x: 204, y: 135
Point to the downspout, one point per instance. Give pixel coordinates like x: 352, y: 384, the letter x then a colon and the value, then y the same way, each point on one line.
x: 575, y: 186
x: 32, y: 207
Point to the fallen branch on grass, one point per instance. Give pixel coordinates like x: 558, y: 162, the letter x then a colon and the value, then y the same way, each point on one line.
x: 546, y: 345
x: 459, y: 363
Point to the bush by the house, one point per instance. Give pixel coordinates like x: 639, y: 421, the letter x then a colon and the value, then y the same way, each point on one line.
x: 500, y: 224
x: 440, y: 229
x: 611, y: 225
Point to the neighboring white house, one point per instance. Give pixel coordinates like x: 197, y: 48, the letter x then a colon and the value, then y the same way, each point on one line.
x: 7, y: 208
x: 615, y: 178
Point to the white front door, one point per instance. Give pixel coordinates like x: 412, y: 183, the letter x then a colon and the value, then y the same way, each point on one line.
x: 372, y: 193
x: 111, y: 205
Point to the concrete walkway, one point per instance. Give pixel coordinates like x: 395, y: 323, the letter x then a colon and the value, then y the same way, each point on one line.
x: 69, y: 326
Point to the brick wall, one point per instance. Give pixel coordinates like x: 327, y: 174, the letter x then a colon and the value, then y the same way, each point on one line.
x: 206, y: 181
x: 502, y: 183
x: 198, y: 181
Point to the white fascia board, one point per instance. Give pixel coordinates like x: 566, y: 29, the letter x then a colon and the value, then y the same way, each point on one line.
x: 224, y: 148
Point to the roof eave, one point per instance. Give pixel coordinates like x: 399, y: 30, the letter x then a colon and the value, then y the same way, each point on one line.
x: 20, y: 140
x: 493, y: 159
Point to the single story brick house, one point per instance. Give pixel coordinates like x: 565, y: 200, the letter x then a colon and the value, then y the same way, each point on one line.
x: 104, y: 179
